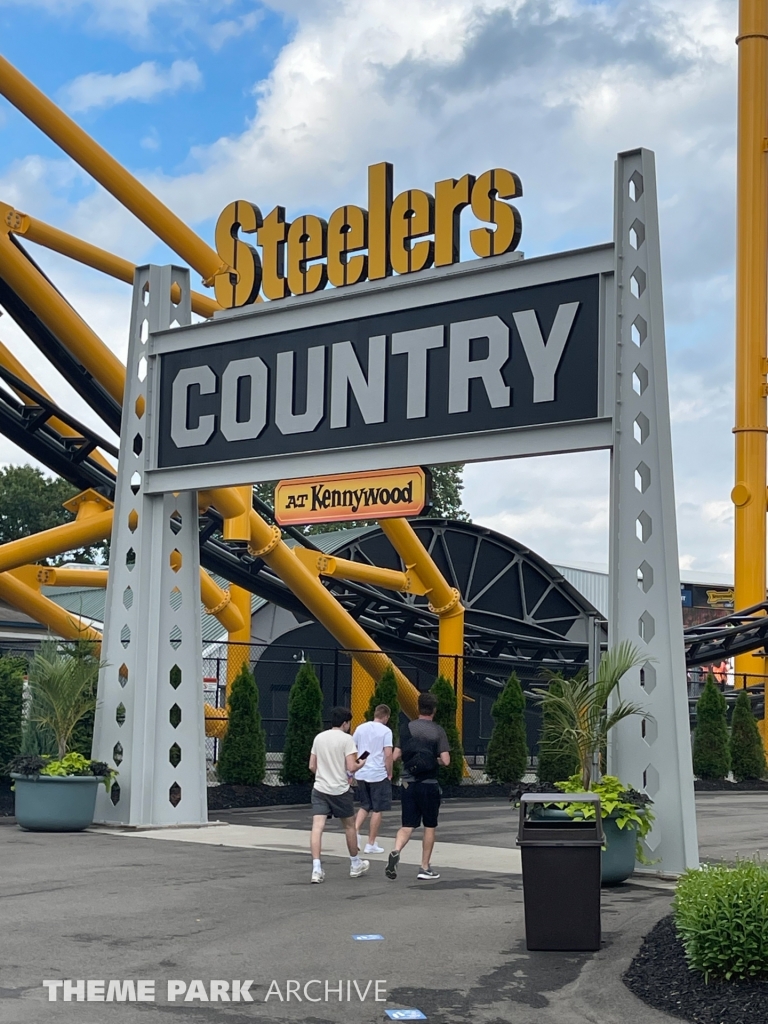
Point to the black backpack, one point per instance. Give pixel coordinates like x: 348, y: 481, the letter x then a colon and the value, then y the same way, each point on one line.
x: 419, y: 758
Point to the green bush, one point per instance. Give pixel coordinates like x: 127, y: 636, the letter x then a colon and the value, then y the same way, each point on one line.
x: 747, y: 753
x: 558, y: 759
x: 721, y: 920
x: 711, y: 756
x: 11, y: 706
x: 243, y: 754
x: 305, y: 721
x: 445, y: 715
x: 386, y: 693
x: 507, y: 756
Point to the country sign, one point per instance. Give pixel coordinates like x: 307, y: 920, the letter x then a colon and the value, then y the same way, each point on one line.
x: 335, y: 499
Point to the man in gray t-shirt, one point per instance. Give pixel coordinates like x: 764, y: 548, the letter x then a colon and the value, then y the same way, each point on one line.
x: 424, y: 747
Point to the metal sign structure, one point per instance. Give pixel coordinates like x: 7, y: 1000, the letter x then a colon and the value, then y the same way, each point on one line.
x: 504, y: 358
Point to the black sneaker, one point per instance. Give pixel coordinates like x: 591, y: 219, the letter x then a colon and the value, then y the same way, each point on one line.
x: 391, y: 869
x: 427, y: 873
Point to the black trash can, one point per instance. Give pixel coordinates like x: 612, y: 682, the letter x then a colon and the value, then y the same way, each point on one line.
x: 561, y: 874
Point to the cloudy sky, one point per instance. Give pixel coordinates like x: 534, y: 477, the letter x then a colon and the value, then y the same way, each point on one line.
x: 288, y: 102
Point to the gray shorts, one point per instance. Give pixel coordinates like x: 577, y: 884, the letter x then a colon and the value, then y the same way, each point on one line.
x: 342, y: 806
x: 375, y: 796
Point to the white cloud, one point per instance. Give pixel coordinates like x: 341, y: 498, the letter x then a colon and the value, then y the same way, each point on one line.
x: 143, y: 83
x: 222, y: 31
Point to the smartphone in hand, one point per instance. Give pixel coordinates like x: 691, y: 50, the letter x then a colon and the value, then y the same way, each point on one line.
x: 362, y: 757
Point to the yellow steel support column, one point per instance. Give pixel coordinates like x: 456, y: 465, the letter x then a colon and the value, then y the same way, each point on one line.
x: 444, y: 601
x: 92, y: 256
x: 749, y: 492
x: 43, y: 610
x: 219, y: 603
x: 238, y: 652
x: 363, y: 686
x: 70, y: 137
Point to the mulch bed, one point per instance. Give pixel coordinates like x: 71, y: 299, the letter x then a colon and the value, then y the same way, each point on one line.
x: 225, y: 797
x: 659, y: 975
x: 722, y: 786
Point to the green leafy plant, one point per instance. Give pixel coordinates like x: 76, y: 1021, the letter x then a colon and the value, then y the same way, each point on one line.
x: 747, y: 753
x: 63, y: 692
x: 71, y: 764
x: 445, y: 715
x: 580, y: 715
x: 507, y: 756
x: 557, y: 758
x: 722, y: 922
x: 243, y: 753
x: 385, y: 692
x: 627, y: 807
x: 305, y: 721
x: 711, y: 756
x: 11, y: 706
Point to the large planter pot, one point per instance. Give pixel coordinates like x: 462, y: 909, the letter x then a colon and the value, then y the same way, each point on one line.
x: 55, y: 803
x: 618, y: 857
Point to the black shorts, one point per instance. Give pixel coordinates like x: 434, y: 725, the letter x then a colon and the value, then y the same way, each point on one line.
x: 342, y: 806
x: 420, y: 800
x: 375, y: 796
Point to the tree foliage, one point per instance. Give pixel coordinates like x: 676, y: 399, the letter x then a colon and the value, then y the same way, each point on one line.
x: 33, y: 502
x: 747, y: 753
x: 711, y: 754
x: 557, y: 760
x: 11, y: 706
x: 507, y: 756
x: 385, y: 692
x: 305, y: 721
x: 243, y: 754
x: 445, y: 715
x: 580, y: 711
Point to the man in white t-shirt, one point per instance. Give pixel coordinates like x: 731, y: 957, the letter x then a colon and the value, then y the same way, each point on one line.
x: 374, y: 780
x: 333, y: 759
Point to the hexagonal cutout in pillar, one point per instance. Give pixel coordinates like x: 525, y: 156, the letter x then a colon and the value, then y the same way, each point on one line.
x: 114, y: 793
x: 651, y: 781
x: 133, y: 520
x: 646, y: 627
x: 636, y: 233
x: 120, y: 713
x: 639, y: 330
x: 122, y: 675
x: 128, y: 598
x: 649, y: 730
x: 141, y: 373
x: 174, y: 638
x: 177, y: 517
x: 642, y: 478
x: 644, y: 576
x: 136, y: 483
x: 174, y: 716
x: 643, y: 526
x: 138, y: 445
x: 140, y: 407
x: 174, y: 794
x: 117, y: 754
x: 635, y: 186
x: 175, y: 560
x: 174, y: 677
x: 175, y: 599
x: 641, y: 428
x: 130, y: 559
x: 637, y: 282
x: 125, y: 635
x: 648, y: 677
x: 639, y: 379
x: 174, y: 755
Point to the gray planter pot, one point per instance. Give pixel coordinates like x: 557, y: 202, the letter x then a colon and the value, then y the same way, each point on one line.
x: 618, y: 858
x: 55, y: 803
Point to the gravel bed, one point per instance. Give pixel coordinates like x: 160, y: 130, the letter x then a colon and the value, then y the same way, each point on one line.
x: 659, y: 976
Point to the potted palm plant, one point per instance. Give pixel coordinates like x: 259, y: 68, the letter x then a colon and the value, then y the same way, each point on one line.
x: 56, y: 792
x: 582, y: 711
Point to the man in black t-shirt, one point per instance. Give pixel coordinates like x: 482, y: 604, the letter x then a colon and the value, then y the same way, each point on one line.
x: 423, y: 748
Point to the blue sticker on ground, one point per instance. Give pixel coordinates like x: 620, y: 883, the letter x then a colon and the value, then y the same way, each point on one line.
x: 405, y: 1014
x: 367, y: 938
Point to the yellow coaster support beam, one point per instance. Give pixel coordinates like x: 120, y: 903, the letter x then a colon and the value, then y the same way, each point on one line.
x: 749, y: 492
x: 50, y: 576
x: 359, y: 572
x: 92, y: 256
x: 86, y: 152
x: 14, y: 592
x: 444, y: 601
x: 239, y: 651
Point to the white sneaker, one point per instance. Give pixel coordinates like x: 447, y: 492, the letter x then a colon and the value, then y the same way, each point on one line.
x: 355, y: 872
x: 318, y: 876
x: 373, y: 848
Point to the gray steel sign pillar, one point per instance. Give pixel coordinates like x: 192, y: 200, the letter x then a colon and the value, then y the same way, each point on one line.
x: 655, y: 755
x: 149, y: 720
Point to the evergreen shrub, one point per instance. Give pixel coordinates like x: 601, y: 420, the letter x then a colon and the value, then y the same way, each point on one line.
x: 385, y: 692
x: 747, y: 753
x: 11, y: 707
x: 507, y: 756
x: 305, y: 721
x: 243, y: 753
x: 711, y: 754
x: 445, y: 715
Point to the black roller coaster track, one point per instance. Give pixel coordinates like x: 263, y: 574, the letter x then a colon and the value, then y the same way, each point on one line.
x: 719, y: 639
